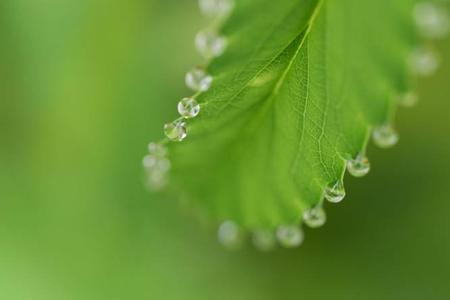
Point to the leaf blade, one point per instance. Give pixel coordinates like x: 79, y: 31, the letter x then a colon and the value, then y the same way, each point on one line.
x: 279, y: 123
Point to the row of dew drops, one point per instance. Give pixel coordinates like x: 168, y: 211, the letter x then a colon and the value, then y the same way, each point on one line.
x: 432, y: 23
x: 210, y: 45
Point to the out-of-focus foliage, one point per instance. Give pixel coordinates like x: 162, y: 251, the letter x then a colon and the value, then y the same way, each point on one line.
x: 84, y: 84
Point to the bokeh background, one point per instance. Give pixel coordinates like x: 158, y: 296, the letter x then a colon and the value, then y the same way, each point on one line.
x: 85, y: 84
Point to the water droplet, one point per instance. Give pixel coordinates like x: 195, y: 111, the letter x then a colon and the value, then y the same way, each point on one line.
x: 385, y: 136
x: 315, y: 217
x: 335, y: 192
x: 424, y: 61
x: 229, y: 235
x: 157, y: 149
x: 359, y: 166
x: 264, y: 240
x: 198, y: 80
x: 431, y: 19
x: 176, y: 130
x: 156, y: 166
x: 155, y: 163
x: 290, y: 236
x: 188, y: 108
x: 216, y: 8
x: 149, y: 161
x: 156, y: 180
x: 408, y: 99
x: 209, y: 44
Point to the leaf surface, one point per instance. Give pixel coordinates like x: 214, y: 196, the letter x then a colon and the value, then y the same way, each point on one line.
x: 294, y: 96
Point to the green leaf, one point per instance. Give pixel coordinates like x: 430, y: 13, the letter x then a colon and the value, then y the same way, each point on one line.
x: 294, y: 97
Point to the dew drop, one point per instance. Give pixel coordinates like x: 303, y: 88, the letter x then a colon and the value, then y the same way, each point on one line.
x: 290, y: 236
x: 209, y: 44
x: 176, y: 130
x: 157, y: 149
x: 216, y: 8
x: 156, y: 164
x: 264, y: 240
x: 408, y: 99
x: 359, y: 166
x: 188, y: 108
x: 198, y: 80
x: 385, y: 136
x: 431, y: 19
x: 315, y: 217
x: 424, y: 61
x: 229, y: 235
x: 156, y: 180
x: 149, y: 161
x: 335, y: 192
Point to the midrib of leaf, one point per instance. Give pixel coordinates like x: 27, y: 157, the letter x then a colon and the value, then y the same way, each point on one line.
x: 304, y: 32
x: 302, y: 41
x: 268, y: 101
x: 280, y: 82
x: 260, y: 45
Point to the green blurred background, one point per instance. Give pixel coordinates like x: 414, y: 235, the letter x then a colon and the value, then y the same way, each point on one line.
x: 85, y: 84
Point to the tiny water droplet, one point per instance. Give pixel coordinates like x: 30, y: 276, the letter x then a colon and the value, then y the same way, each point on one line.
x: 290, y: 236
x: 188, y: 108
x: 385, y: 136
x: 424, y: 61
x: 198, y: 80
x: 157, y: 149
x: 209, y: 44
x: 229, y: 235
x: 155, y: 163
x: 335, y: 192
x: 431, y: 19
x: 408, y: 99
x: 216, y: 8
x: 156, y: 180
x: 149, y: 161
x: 176, y: 130
x: 315, y: 217
x: 359, y: 166
x: 264, y: 240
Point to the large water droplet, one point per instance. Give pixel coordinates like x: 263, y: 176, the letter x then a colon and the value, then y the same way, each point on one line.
x: 359, y: 166
x: 229, y: 235
x: 209, y: 44
x: 216, y: 8
x: 315, y: 217
x: 408, y: 99
x: 431, y: 19
x: 335, y: 192
x: 290, y: 236
x: 188, y: 108
x: 198, y: 80
x: 264, y: 240
x: 176, y: 130
x: 424, y: 61
x: 385, y: 136
x: 157, y: 149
